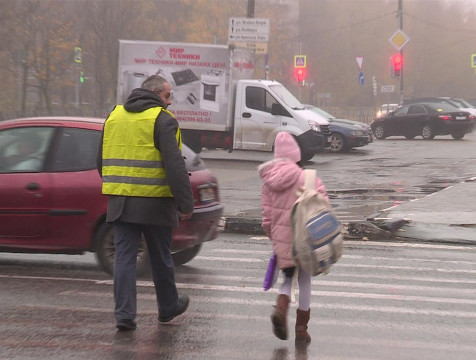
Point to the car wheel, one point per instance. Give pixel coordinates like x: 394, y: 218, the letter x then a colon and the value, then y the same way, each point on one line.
x: 105, y: 251
x: 337, y: 142
x: 184, y: 256
x: 410, y: 137
x: 457, y: 135
x: 427, y: 132
x: 379, y: 132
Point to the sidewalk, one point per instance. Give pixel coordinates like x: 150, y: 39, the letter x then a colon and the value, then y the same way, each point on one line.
x: 447, y: 216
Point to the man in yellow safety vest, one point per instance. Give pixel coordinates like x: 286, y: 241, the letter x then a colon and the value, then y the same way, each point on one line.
x: 143, y: 172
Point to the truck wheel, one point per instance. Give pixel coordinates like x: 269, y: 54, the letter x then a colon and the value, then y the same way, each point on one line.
x: 306, y: 156
x: 192, y: 140
x: 410, y: 136
x: 184, y: 256
x: 105, y: 251
x: 196, y: 146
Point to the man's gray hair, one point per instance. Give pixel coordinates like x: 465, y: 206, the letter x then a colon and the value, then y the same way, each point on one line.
x: 154, y: 83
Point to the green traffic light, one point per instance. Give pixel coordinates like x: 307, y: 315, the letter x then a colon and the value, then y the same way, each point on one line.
x: 81, y: 77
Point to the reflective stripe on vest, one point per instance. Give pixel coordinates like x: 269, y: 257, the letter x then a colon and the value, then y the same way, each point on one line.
x: 132, y: 165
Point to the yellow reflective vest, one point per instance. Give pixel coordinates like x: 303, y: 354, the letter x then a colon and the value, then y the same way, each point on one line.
x: 131, y: 164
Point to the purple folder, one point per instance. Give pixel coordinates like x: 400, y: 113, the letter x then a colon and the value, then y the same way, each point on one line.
x: 272, y: 273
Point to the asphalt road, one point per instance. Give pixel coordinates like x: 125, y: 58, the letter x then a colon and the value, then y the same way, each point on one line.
x: 381, y: 301
x: 360, y: 182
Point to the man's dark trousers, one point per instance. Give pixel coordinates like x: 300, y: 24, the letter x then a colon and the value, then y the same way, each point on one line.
x: 127, y: 237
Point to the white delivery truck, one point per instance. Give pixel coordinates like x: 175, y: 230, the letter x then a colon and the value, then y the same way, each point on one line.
x: 216, y: 100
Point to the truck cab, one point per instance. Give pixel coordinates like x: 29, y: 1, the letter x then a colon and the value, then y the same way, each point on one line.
x: 263, y: 108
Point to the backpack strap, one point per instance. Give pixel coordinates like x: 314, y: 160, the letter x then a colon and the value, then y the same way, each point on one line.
x: 310, y: 179
x: 309, y: 184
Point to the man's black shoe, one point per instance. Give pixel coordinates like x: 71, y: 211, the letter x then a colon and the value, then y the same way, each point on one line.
x: 182, y: 306
x: 126, y: 325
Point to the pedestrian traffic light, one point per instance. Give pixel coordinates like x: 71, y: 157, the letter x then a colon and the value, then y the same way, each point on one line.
x: 300, y: 74
x: 81, y: 77
x: 396, y: 63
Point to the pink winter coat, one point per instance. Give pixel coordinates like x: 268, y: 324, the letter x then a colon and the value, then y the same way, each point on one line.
x: 281, y: 178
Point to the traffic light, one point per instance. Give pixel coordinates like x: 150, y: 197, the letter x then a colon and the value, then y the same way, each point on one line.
x: 81, y: 77
x: 300, y: 74
x: 396, y: 64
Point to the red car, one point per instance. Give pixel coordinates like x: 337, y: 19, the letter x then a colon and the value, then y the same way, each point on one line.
x: 50, y: 193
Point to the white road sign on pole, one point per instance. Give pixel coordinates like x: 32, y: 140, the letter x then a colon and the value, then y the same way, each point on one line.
x: 387, y: 89
x: 248, y: 30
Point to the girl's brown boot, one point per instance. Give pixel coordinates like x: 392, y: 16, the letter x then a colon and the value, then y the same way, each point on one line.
x: 279, y: 317
x: 302, y: 318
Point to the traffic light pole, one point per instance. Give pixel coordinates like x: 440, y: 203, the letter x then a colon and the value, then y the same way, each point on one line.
x: 76, y: 85
x: 300, y: 85
x: 400, y: 26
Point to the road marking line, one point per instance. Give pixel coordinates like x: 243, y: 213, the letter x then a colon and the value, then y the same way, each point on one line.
x: 337, y: 294
x: 393, y: 244
x: 234, y: 259
x: 341, y: 264
x: 314, y: 305
x: 405, y: 326
x: 358, y: 257
x: 324, y: 280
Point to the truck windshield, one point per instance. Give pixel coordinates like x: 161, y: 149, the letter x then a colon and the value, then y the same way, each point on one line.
x: 286, y: 97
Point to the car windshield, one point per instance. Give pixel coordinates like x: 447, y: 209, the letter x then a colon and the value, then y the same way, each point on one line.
x: 286, y: 97
x: 443, y: 107
x: 322, y: 112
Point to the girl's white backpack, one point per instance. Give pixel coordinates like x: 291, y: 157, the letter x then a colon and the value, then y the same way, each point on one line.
x: 317, y: 237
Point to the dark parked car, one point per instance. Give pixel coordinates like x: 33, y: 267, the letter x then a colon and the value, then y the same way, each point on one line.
x: 50, y: 193
x: 425, y: 119
x: 345, y: 134
x: 461, y: 104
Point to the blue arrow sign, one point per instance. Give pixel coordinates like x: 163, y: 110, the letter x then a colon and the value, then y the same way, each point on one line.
x: 361, y: 78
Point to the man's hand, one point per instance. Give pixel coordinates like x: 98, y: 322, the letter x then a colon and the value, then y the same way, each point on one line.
x: 185, y: 216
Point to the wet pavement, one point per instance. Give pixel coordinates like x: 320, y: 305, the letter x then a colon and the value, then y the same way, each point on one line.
x: 382, y: 300
x: 435, y: 196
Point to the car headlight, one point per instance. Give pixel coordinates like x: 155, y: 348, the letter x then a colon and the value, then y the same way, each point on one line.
x: 313, y: 126
x: 357, y: 133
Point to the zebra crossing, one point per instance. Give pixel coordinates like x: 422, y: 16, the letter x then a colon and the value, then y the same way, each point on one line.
x: 382, y: 300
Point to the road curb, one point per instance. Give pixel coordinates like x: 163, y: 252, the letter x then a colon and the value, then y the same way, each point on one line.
x: 352, y: 230
x: 367, y: 230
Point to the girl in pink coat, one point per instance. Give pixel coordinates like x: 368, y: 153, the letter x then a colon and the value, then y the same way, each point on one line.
x: 282, y: 176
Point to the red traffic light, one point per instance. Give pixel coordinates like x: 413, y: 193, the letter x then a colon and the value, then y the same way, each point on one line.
x: 300, y: 75
x: 396, y: 64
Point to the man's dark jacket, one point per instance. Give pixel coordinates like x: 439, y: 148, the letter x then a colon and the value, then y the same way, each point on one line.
x: 148, y: 210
